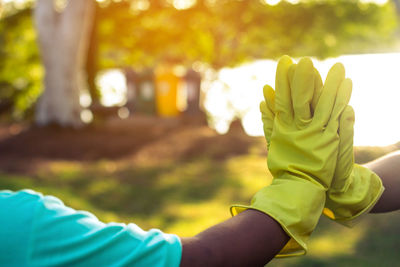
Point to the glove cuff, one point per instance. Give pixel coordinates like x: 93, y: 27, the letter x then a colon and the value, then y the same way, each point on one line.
x: 363, y: 193
x: 295, y: 204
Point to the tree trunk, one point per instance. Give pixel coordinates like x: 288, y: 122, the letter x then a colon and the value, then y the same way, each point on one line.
x: 63, y: 42
x: 92, y: 59
x: 397, y: 5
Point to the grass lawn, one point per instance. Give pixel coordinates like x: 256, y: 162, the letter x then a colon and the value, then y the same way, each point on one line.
x: 186, y: 196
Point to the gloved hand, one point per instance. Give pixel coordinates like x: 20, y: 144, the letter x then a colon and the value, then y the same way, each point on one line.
x: 355, y: 189
x: 303, y: 150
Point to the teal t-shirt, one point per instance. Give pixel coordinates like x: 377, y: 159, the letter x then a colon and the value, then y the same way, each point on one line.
x: 37, y: 230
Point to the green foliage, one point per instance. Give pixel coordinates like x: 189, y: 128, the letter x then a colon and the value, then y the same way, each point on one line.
x: 219, y: 33
x: 230, y: 32
x: 20, y: 69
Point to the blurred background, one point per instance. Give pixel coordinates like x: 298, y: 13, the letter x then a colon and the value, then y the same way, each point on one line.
x: 147, y: 111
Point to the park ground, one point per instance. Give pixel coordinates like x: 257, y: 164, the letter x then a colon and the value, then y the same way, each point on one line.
x: 177, y: 175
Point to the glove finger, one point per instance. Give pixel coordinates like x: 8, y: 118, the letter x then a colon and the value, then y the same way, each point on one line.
x: 345, y: 161
x: 283, y: 103
x: 291, y: 71
x: 342, y: 99
x: 317, y: 89
x: 267, y: 118
x: 266, y: 114
x: 346, y: 129
x: 302, y: 91
x: 269, y: 96
x: 327, y: 99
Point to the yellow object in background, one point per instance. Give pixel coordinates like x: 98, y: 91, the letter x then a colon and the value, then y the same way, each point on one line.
x: 167, y: 86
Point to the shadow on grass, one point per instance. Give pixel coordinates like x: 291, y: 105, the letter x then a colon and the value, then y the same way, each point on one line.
x: 150, y: 138
x: 133, y: 191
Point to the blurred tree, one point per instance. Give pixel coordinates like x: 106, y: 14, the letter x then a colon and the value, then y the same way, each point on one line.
x: 143, y: 33
x: 397, y: 4
x: 229, y: 32
x: 20, y: 69
x: 63, y: 38
x: 92, y: 59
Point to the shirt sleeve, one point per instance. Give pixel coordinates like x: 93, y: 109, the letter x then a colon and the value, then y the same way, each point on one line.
x: 65, y: 237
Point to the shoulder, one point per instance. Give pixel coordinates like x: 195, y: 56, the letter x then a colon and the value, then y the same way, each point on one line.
x: 19, y: 202
x: 26, y: 194
x: 26, y: 201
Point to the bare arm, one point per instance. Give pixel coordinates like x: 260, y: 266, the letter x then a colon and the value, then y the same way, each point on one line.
x: 388, y: 169
x: 251, y: 238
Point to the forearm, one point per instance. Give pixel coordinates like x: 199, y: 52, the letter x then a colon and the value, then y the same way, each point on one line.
x: 388, y: 169
x: 251, y: 238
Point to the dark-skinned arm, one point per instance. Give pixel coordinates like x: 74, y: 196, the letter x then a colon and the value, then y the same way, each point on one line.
x: 388, y: 169
x: 251, y: 238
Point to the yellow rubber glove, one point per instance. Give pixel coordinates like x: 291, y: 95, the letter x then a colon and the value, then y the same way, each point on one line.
x: 303, y: 150
x: 355, y: 189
